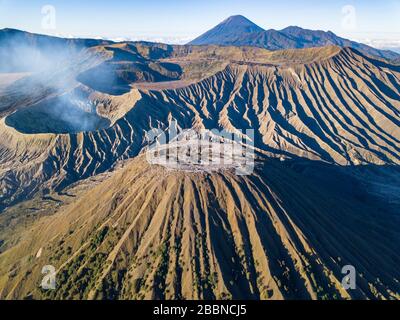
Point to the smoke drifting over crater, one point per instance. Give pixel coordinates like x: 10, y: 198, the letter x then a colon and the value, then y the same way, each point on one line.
x: 47, y: 98
x: 65, y: 114
x: 22, y: 52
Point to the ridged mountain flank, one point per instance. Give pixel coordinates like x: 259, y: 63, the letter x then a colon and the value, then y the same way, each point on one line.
x: 145, y: 232
x: 78, y: 192
x: 326, y: 104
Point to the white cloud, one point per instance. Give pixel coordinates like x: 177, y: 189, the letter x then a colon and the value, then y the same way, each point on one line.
x: 390, y: 44
x: 159, y: 39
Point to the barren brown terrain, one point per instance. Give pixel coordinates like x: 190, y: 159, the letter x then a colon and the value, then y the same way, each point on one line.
x: 76, y: 191
x: 144, y: 232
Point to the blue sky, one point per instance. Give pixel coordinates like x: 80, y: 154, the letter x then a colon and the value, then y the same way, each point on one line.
x: 180, y: 20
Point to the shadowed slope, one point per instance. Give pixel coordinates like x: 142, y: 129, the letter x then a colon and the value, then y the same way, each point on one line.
x: 280, y: 233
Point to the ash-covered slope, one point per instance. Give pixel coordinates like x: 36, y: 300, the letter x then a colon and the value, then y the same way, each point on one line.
x: 142, y: 231
x: 328, y: 104
x: 284, y: 232
x: 343, y: 108
x: 239, y: 31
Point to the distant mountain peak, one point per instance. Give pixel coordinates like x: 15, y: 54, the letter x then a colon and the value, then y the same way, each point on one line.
x: 237, y: 24
x: 292, y: 28
x: 239, y: 20
x: 237, y: 30
x: 228, y: 31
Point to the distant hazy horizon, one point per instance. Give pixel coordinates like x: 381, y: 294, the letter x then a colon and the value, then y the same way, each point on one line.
x: 371, y: 22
